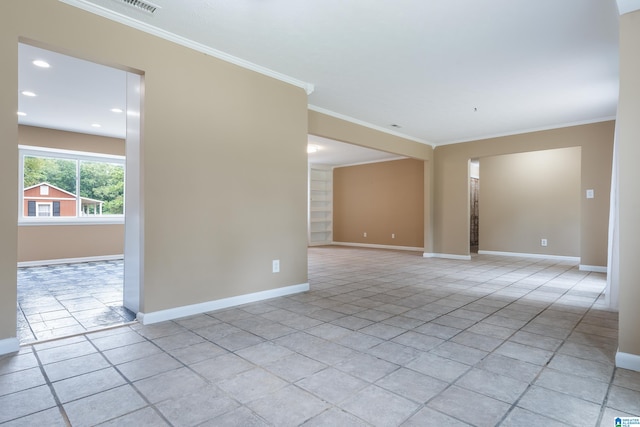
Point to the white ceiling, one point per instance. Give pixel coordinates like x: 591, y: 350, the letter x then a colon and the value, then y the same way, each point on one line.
x: 72, y: 94
x: 444, y: 71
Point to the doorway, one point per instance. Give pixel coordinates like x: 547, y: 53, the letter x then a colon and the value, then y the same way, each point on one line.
x: 83, y: 118
x: 474, y: 206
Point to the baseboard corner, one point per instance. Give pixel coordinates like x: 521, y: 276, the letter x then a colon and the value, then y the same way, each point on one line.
x: 9, y: 345
x: 628, y: 361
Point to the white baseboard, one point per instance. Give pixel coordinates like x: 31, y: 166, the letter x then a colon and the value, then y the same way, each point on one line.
x: 39, y: 263
x: 628, y: 361
x: 594, y: 268
x: 446, y: 256
x: 204, y: 307
x: 374, y: 246
x: 525, y: 255
x: 9, y: 345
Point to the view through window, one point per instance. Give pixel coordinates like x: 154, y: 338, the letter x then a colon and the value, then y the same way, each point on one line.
x: 59, y: 183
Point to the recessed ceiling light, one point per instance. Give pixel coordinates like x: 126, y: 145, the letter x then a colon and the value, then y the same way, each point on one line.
x: 28, y: 93
x: 21, y: 114
x: 96, y: 125
x: 312, y: 148
x: 40, y: 63
x: 116, y: 110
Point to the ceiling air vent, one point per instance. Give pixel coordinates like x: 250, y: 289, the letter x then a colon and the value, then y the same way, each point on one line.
x: 144, y: 6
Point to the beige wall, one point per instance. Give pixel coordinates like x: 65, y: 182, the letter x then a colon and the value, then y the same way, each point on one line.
x: 450, y: 192
x: 628, y: 136
x: 50, y: 242
x: 380, y: 199
x: 230, y: 142
x: 341, y: 130
x: 525, y: 197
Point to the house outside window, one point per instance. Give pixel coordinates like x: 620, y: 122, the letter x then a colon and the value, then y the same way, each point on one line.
x: 71, y: 185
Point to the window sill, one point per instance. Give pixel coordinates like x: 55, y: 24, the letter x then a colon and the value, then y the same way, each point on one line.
x: 70, y: 221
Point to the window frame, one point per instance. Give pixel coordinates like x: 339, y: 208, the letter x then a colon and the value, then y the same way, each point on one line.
x: 33, y: 151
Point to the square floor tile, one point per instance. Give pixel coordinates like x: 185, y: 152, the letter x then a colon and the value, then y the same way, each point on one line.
x: 276, y: 408
x: 581, y: 387
x: 87, y: 384
x: 438, y: 367
x: 172, y: 384
x: 493, y: 385
x: 366, y: 367
x: 412, y: 385
x: 25, y: 402
x: 21, y: 380
x: 195, y: 408
x: 103, y: 406
x: 427, y: 417
x: 251, y: 385
x: 380, y: 407
x: 468, y: 406
x: 148, y: 366
x: 560, y: 406
x: 295, y: 367
x: 332, y: 385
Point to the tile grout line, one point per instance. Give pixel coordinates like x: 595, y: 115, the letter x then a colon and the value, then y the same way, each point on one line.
x: 52, y: 389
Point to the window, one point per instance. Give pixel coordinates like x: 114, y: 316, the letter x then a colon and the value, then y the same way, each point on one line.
x: 72, y: 185
x: 44, y: 209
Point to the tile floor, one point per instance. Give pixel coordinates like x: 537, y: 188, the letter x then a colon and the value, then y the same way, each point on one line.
x: 62, y: 300
x: 382, y: 338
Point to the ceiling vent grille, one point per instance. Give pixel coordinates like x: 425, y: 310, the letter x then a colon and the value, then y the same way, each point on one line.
x: 143, y: 6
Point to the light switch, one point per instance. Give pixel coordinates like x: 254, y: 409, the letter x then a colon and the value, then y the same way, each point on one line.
x: 590, y: 194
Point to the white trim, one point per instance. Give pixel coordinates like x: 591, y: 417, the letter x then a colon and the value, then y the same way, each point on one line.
x: 525, y: 255
x: 530, y: 130
x: 71, y: 220
x: 594, y: 268
x: 183, y: 41
x: 374, y: 246
x: 9, y: 345
x: 39, y: 263
x: 204, y: 307
x: 627, y: 361
x: 61, y: 153
x: 371, y: 161
x: 50, y: 197
x: 627, y: 6
x: 446, y: 256
x: 366, y: 124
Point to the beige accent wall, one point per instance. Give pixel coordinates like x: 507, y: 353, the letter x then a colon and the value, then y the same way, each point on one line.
x: 342, y: 130
x: 628, y: 138
x: 451, y: 201
x: 51, y: 242
x: 380, y: 199
x: 227, y: 142
x: 526, y: 197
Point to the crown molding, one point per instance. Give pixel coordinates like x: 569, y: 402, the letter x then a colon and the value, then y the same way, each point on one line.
x: 366, y: 124
x: 183, y: 41
x: 530, y: 130
x: 628, y: 6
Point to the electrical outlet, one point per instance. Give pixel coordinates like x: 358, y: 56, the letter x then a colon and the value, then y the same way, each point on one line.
x: 543, y: 242
x: 364, y: 234
x: 393, y: 235
x: 276, y: 266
